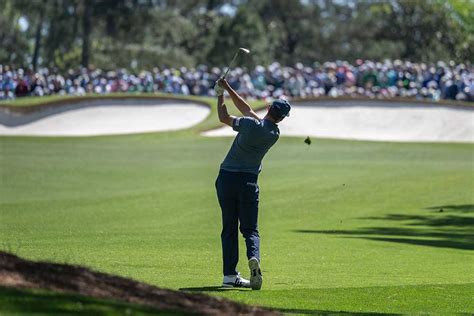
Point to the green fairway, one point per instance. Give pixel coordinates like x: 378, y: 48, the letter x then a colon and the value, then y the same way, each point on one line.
x: 345, y: 226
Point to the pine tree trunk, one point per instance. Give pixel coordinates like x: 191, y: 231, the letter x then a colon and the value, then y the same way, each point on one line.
x: 38, y: 36
x: 86, y: 28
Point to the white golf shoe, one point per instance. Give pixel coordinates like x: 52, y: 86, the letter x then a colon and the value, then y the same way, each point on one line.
x: 256, y: 278
x: 231, y: 281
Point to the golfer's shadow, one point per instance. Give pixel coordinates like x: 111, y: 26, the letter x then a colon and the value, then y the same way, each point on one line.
x: 211, y: 289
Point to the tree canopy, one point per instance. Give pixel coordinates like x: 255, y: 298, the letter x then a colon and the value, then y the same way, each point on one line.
x: 147, y: 33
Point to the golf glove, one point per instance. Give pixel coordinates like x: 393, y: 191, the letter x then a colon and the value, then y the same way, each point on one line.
x: 218, y: 89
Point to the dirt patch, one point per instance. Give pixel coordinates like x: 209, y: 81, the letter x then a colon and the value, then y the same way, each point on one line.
x: 71, y: 279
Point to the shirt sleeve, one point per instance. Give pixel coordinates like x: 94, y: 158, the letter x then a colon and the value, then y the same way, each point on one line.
x: 244, y: 124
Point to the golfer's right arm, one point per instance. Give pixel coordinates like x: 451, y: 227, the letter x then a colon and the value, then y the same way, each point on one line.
x: 224, y: 116
x: 239, y: 102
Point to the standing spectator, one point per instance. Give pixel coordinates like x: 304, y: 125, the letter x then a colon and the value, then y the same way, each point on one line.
x: 21, y: 89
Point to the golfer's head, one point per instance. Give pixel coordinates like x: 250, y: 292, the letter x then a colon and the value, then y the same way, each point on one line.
x: 279, y: 109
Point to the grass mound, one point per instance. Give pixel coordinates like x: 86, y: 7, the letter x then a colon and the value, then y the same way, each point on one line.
x: 73, y: 279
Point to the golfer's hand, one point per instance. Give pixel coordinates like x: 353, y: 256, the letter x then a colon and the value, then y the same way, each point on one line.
x: 223, y: 83
x: 218, y: 89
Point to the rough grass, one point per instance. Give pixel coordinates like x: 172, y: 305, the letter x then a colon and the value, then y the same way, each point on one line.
x: 36, y: 302
x: 77, y: 281
x: 35, y: 101
x: 345, y: 226
x: 51, y: 99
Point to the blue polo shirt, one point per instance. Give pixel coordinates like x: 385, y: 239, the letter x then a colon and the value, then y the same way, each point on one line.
x: 254, y: 139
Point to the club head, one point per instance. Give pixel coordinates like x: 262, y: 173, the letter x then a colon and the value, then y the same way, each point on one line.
x: 241, y: 49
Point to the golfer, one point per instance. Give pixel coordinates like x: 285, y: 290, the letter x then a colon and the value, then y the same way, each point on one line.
x: 236, y: 185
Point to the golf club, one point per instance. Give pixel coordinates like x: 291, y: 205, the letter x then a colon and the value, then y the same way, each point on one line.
x: 241, y: 49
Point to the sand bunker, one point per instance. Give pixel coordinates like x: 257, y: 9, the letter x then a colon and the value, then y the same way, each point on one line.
x: 375, y: 120
x: 104, y: 117
x: 342, y: 119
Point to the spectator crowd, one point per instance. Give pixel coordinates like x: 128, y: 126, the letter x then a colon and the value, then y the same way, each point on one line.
x: 385, y: 79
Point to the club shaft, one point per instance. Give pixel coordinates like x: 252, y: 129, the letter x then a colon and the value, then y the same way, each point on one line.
x: 230, y: 65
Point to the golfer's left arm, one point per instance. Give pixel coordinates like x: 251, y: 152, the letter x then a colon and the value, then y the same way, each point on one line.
x: 224, y: 116
x: 239, y: 102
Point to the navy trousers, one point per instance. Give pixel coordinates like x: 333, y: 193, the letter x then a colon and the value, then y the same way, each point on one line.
x: 238, y: 197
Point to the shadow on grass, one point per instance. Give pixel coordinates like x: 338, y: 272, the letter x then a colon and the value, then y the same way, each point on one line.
x: 327, y: 313
x: 437, y: 229
x: 282, y: 310
x: 19, y: 301
x: 462, y: 208
x: 211, y: 289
